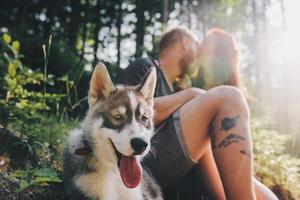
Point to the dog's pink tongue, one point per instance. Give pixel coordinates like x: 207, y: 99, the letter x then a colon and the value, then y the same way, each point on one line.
x: 131, y: 171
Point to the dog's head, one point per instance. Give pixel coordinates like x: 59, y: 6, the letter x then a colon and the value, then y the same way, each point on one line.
x: 126, y: 115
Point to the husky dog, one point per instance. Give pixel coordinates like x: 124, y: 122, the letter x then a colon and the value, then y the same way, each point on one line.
x: 102, y: 157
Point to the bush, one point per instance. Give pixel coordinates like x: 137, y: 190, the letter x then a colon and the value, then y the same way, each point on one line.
x: 20, y: 98
x: 273, y: 166
x: 29, y: 112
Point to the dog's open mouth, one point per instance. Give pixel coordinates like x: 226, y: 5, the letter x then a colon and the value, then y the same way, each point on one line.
x: 130, y: 169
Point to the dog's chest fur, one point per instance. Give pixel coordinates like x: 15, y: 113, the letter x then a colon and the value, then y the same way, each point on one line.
x: 97, y: 177
x: 106, y: 186
x: 104, y: 181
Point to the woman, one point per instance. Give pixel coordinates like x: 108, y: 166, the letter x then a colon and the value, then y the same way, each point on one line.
x: 217, y: 64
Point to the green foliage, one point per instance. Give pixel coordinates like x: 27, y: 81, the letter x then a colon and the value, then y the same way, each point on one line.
x: 48, y: 142
x: 45, y: 144
x: 273, y: 166
x: 35, y: 178
x: 20, y: 96
x: 30, y: 113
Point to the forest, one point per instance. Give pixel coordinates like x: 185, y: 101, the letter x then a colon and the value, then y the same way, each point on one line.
x: 48, y: 50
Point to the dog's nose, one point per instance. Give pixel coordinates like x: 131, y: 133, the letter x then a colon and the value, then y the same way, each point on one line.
x: 138, y: 145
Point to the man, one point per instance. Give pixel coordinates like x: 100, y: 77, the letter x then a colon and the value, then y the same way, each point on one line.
x: 192, y: 122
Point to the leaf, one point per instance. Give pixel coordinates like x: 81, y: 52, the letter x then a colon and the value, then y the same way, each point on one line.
x: 11, y: 70
x: 6, y: 38
x: 19, y: 174
x: 17, y: 63
x: 16, y: 46
x: 23, y: 185
x: 44, y: 180
x: 46, y: 144
x: 90, y: 42
x: 45, y: 172
x: 22, y: 104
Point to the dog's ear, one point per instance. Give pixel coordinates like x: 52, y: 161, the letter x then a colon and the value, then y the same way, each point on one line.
x: 147, y: 88
x: 101, y: 85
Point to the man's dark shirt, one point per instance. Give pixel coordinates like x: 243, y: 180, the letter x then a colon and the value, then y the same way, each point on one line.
x: 137, y: 71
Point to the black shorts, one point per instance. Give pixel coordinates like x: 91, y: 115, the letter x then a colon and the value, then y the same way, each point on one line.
x: 169, y: 161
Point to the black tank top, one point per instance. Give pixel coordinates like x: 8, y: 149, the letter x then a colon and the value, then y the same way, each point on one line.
x: 137, y: 72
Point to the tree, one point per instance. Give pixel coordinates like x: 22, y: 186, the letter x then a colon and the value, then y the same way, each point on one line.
x: 119, y: 37
x: 165, y: 11
x: 139, y: 29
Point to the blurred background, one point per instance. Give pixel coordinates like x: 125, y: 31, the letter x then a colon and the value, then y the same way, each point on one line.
x: 48, y: 50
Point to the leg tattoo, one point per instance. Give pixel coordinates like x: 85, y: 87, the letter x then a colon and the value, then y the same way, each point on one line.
x: 213, y: 137
x: 228, y: 123
x: 232, y: 138
x: 246, y: 152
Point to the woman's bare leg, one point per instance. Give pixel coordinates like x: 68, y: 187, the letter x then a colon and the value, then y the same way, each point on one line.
x: 209, y: 176
x: 226, y: 110
x: 262, y: 192
x: 210, y: 179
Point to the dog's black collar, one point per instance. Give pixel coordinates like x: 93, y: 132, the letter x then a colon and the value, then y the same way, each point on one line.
x: 85, y: 150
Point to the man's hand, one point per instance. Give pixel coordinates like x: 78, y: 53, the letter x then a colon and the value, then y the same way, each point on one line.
x: 193, y: 92
x: 166, y: 105
x: 183, y: 82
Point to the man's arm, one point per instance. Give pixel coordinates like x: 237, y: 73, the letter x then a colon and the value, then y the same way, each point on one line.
x: 166, y: 105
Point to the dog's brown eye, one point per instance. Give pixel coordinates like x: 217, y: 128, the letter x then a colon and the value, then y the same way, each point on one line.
x: 117, y: 117
x: 144, y: 118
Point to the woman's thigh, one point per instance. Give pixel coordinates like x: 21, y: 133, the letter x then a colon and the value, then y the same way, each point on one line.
x: 196, y: 117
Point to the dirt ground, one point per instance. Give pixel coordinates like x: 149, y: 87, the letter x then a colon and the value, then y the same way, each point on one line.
x: 15, y: 154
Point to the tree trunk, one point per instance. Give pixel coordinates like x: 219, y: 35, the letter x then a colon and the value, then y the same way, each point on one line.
x: 139, y: 28
x: 97, y: 29
x: 165, y: 11
x: 85, y: 28
x: 119, y: 26
x: 74, y: 23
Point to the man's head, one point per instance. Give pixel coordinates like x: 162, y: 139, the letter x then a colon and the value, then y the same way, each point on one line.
x: 182, y: 44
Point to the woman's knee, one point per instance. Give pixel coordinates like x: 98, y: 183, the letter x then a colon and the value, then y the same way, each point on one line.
x: 216, y: 99
x: 226, y: 92
x: 229, y: 97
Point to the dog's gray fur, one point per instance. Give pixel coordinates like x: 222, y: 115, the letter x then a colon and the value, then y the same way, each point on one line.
x: 90, y: 163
